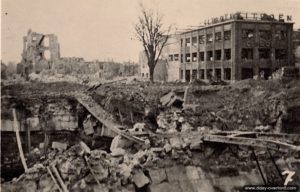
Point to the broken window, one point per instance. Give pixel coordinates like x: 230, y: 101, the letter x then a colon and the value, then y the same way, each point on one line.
x: 181, y: 58
x: 187, y: 42
x: 202, y: 74
x: 247, y: 33
x: 194, y: 41
x: 194, y: 74
x: 264, y: 53
x: 247, y: 53
x: 280, y: 35
x: 218, y: 73
x: 218, y: 54
x: 265, y: 35
x: 170, y: 57
x: 218, y: 36
x: 227, y: 54
x: 194, y: 57
x: 201, y: 39
x: 201, y: 56
x: 209, y: 73
x: 188, y: 57
x: 147, y: 75
x: 227, y: 35
x: 209, y: 56
x: 247, y: 73
x: 181, y: 42
x: 209, y: 38
x: 181, y: 74
x: 187, y: 75
x: 142, y: 74
x: 176, y: 57
x: 280, y: 54
x: 227, y: 74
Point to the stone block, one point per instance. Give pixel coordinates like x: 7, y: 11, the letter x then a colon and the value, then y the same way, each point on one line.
x: 140, y: 179
x: 202, y: 185
x: 176, y: 173
x: 157, y: 176
x: 59, y: 146
x: 164, y: 187
x: 192, y: 173
x: 176, y: 143
x: 186, y: 186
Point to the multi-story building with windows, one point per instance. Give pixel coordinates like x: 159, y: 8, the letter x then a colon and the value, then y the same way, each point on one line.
x: 234, y: 48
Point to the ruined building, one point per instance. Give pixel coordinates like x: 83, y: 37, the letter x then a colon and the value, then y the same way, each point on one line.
x: 237, y: 47
x: 233, y: 47
x: 39, y: 52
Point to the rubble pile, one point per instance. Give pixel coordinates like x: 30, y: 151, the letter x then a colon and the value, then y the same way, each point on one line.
x: 169, y: 137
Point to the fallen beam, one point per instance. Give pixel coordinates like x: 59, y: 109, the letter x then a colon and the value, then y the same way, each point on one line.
x: 254, y: 142
x: 105, y: 118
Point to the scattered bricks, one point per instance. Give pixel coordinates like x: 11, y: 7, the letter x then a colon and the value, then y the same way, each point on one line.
x: 186, y: 127
x: 157, y: 176
x: 59, y: 146
x: 176, y: 143
x: 139, y: 179
x: 163, y: 187
x: 196, y: 145
x: 192, y: 173
x: 176, y: 173
x: 167, y: 148
x: 125, y: 171
x: 85, y: 148
x: 119, y: 142
x: 117, y: 152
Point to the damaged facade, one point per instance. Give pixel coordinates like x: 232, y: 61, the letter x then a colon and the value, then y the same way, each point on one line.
x: 39, y: 51
x: 166, y: 69
x: 42, y: 52
x: 240, y: 47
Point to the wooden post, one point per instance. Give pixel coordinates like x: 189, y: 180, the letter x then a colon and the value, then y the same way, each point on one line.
x: 28, y: 136
x: 259, y: 168
x: 16, y: 129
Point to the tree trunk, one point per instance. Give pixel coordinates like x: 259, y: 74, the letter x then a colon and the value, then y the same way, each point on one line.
x: 151, y: 73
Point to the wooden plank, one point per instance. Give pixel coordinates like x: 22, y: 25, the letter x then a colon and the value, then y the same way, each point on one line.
x: 261, y: 143
x: 16, y: 128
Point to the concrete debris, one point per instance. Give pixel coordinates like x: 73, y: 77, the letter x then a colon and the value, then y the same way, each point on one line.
x: 171, y: 99
x: 59, y: 146
x: 165, y: 147
x: 139, y: 179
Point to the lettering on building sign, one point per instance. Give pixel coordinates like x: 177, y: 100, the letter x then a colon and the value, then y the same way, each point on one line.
x: 249, y: 16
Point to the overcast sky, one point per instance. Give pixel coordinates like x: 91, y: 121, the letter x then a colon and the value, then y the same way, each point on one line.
x: 102, y: 29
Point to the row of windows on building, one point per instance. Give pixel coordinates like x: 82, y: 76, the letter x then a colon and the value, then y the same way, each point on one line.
x: 246, y: 34
x: 209, y: 74
x: 194, y: 57
x: 247, y: 53
x: 209, y: 38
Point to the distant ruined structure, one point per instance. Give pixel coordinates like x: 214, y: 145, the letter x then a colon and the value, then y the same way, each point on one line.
x: 42, y: 52
x: 39, y: 52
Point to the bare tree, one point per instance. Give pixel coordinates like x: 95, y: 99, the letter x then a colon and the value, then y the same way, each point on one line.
x: 149, y: 31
